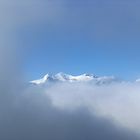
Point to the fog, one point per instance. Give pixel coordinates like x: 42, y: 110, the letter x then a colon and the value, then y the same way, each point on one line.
x: 118, y: 102
x: 63, y: 111
x: 69, y: 111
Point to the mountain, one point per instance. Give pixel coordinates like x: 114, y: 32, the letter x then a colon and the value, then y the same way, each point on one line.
x: 62, y: 77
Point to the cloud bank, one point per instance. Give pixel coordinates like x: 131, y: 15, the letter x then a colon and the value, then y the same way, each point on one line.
x: 118, y: 102
x: 63, y: 111
x: 66, y: 111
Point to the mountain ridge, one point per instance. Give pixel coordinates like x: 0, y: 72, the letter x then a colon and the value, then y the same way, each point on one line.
x: 62, y: 77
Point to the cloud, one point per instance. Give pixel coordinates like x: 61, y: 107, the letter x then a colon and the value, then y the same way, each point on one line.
x: 33, y: 115
x: 95, y: 19
x: 119, y: 101
x: 65, y: 111
x: 21, y: 13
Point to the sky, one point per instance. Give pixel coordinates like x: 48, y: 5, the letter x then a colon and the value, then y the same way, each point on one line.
x: 72, y: 36
x: 75, y: 37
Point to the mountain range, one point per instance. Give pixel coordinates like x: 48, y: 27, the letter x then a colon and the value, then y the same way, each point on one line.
x: 62, y: 77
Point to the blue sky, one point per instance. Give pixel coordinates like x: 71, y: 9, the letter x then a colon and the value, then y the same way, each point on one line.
x: 75, y: 37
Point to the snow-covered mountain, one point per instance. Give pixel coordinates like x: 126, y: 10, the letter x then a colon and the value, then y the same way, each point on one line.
x: 62, y: 77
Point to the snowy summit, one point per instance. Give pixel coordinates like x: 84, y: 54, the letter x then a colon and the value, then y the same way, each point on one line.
x: 62, y: 77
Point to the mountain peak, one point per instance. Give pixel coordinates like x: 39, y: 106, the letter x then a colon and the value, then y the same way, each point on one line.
x: 62, y: 77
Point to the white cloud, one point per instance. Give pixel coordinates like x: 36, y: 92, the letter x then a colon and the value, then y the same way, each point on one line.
x: 119, y: 102
x: 65, y: 111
